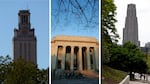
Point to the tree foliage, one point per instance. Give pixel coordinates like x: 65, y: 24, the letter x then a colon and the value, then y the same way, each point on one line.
x: 105, y: 54
x: 109, y: 32
x: 42, y: 76
x: 4, y: 67
x: 128, y: 58
x: 21, y: 72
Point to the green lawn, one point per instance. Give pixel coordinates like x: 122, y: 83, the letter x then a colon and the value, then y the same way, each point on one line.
x: 112, y: 76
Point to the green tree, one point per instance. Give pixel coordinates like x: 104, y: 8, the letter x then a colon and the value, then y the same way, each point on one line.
x: 42, y: 76
x: 105, y: 54
x: 4, y: 67
x: 137, y: 58
x: 109, y: 32
x: 22, y: 72
x: 128, y: 58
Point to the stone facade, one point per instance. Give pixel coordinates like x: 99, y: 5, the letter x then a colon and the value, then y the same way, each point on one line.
x: 147, y: 44
x: 74, y: 53
x: 24, y: 40
x: 130, y: 32
x: 146, y: 49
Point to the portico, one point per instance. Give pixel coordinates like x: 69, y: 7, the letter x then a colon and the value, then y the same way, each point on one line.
x: 74, y: 53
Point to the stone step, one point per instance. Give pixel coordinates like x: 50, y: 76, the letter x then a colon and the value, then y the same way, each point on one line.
x: 90, y: 74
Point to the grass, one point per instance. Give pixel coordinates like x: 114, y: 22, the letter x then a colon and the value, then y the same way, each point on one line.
x: 112, y: 76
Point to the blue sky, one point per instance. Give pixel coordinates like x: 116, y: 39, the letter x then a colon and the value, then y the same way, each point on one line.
x: 74, y: 25
x: 39, y: 10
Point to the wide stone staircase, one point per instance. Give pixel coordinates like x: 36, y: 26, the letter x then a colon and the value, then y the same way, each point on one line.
x: 90, y: 74
x: 63, y: 74
x: 75, y: 77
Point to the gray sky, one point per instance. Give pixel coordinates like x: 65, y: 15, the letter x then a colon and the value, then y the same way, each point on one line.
x: 143, y: 16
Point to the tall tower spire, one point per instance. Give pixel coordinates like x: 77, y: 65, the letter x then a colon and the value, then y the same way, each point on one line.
x: 130, y: 32
x: 24, y: 40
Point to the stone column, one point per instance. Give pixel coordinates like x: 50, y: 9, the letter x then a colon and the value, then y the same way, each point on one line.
x: 63, y: 57
x: 88, y: 59
x: 54, y: 57
x: 80, y: 58
x: 96, y: 58
x: 72, y: 58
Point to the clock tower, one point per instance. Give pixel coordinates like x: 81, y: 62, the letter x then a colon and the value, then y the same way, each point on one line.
x: 24, y: 40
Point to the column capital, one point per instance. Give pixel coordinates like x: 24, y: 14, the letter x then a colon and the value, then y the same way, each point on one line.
x: 80, y: 46
x: 72, y: 46
x: 64, y: 45
x: 88, y: 48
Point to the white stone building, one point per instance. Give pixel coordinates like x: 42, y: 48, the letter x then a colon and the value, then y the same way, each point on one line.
x: 74, y: 53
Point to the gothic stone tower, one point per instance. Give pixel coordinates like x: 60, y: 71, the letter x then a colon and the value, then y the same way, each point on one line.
x: 130, y: 32
x: 24, y: 40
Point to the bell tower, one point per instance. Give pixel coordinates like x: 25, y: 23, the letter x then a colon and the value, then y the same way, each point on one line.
x: 24, y: 19
x: 24, y: 40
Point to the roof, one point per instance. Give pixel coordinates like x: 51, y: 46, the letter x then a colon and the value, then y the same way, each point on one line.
x: 24, y: 12
x: 74, y: 38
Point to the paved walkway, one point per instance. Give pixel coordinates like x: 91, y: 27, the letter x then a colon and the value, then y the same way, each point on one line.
x: 140, y: 81
x: 137, y: 82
